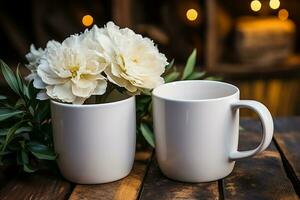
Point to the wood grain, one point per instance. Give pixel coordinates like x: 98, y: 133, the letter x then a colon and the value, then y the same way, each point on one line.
x: 260, y: 177
x: 211, y: 40
x: 287, y: 136
x: 36, y: 187
x: 157, y: 186
x: 127, y: 188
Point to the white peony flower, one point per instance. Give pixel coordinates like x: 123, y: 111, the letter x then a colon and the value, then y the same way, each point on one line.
x: 71, y: 71
x: 34, y: 59
x: 133, y: 62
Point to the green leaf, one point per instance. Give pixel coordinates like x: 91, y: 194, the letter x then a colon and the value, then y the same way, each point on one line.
x: 142, y: 102
x: 24, y: 129
x: 41, y: 151
x: 148, y: 135
x: 20, y: 103
x: 172, y: 77
x: 10, y: 134
x: 28, y: 168
x: 190, y: 65
x: 146, y: 92
x: 196, y: 75
x: 9, y: 77
x: 8, y: 113
x: 242, y: 128
x: 144, y: 99
x: 31, y: 91
x: 19, y: 81
x: 150, y: 107
x: 43, y: 111
x: 2, y: 97
x: 213, y: 78
x: 22, y: 157
x: 170, y: 65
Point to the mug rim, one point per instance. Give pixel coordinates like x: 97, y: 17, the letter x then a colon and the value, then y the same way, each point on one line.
x: 155, y: 91
x: 91, y: 105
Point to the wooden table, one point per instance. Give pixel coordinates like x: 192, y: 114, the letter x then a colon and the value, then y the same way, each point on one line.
x: 273, y: 174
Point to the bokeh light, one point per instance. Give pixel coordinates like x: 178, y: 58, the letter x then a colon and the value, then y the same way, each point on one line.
x: 274, y: 4
x: 283, y: 14
x: 191, y: 14
x: 87, y: 20
x: 255, y: 5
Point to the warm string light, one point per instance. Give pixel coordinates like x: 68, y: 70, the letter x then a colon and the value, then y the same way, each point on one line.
x: 191, y: 14
x: 283, y: 14
x: 274, y: 4
x: 255, y: 5
x: 87, y: 20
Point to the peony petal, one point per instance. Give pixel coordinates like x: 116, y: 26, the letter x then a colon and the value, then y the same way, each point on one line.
x: 100, y: 88
x: 42, y: 95
x: 62, y: 92
x: 84, y: 92
x: 79, y: 100
x: 105, y: 43
x: 34, y: 57
x: 38, y: 83
x: 114, y: 79
x: 47, y: 75
x: 130, y: 87
x: 116, y: 70
x: 150, y: 83
x: 72, y: 42
x: 84, y: 81
x: 30, y: 77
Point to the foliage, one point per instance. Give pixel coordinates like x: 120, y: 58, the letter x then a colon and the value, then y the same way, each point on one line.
x: 25, y: 129
x: 25, y: 125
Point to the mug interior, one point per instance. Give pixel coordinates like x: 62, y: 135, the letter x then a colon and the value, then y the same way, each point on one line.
x: 195, y: 90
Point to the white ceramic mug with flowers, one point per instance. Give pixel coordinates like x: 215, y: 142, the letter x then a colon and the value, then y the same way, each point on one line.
x: 95, y: 143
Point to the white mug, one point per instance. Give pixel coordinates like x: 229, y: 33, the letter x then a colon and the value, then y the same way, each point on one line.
x: 196, y: 125
x: 95, y: 143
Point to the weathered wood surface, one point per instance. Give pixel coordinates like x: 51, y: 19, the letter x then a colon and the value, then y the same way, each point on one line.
x: 37, y: 186
x: 273, y: 174
x: 157, y: 186
x: 127, y: 188
x: 287, y: 136
x: 260, y: 177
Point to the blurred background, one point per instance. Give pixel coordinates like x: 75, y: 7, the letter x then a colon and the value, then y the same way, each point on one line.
x: 254, y: 44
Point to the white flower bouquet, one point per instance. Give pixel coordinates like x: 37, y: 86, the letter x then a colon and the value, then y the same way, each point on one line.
x: 82, y: 67
x: 83, y: 64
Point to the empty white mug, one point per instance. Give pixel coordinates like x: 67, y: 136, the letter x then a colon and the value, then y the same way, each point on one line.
x: 196, y: 125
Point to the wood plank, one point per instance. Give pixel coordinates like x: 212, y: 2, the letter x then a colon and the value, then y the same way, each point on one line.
x: 122, y: 12
x: 127, y: 188
x: 157, y: 186
x: 211, y: 38
x: 287, y: 136
x: 260, y: 177
x: 36, y: 186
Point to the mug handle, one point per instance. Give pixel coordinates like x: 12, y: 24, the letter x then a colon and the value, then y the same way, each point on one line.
x: 267, y: 124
